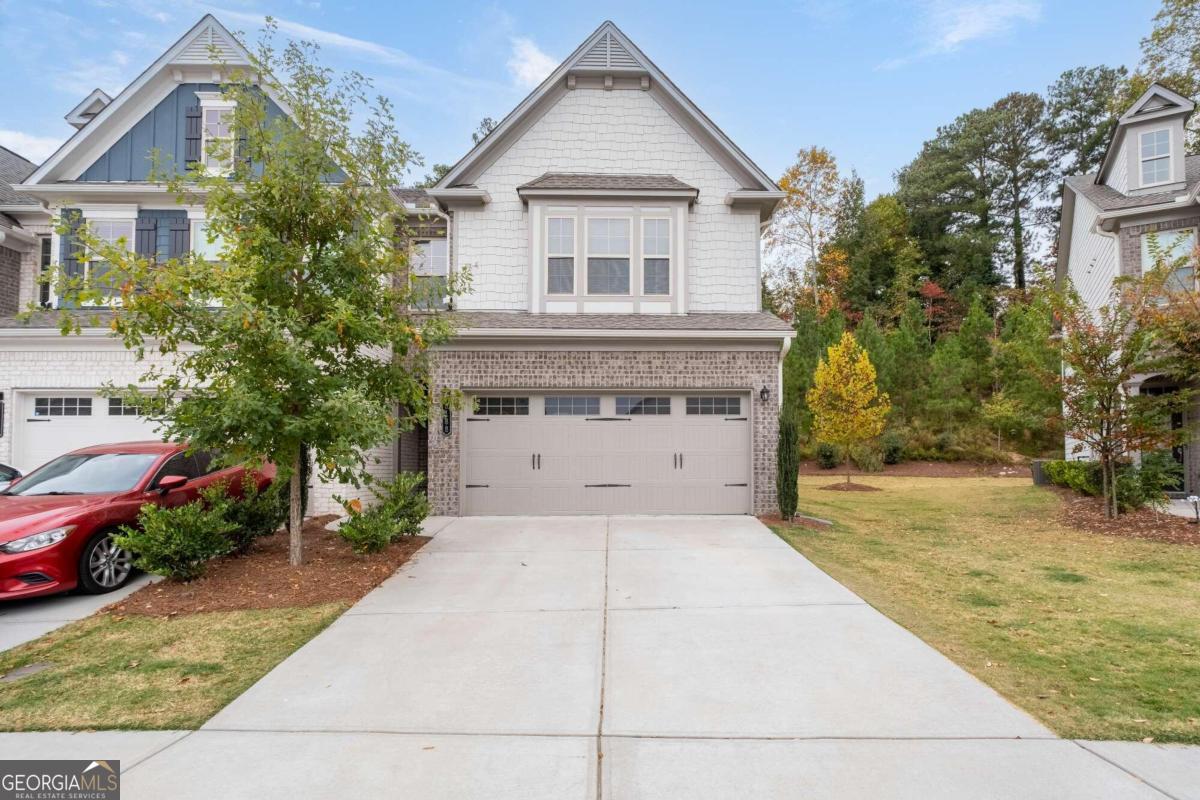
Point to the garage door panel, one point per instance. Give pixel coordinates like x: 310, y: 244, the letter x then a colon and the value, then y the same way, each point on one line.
x: 639, y: 464
x: 49, y: 423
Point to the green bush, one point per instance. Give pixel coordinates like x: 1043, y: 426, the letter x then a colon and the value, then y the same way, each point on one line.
x: 788, y: 466
x: 400, y: 509
x: 256, y: 513
x: 1138, y: 486
x: 178, y: 542
x: 827, y: 456
x: 868, y: 457
x: 891, y: 446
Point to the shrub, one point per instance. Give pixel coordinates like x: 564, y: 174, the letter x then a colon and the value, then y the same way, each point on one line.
x: 827, y: 456
x: 400, y: 509
x: 256, y: 513
x: 1137, y: 485
x: 891, y: 446
x: 867, y: 457
x: 177, y: 542
x: 788, y: 466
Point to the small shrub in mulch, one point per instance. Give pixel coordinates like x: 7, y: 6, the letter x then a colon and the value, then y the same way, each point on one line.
x: 262, y: 578
x: 1087, y: 514
x: 849, y: 486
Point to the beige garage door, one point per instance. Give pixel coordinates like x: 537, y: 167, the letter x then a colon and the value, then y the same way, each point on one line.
x: 660, y: 453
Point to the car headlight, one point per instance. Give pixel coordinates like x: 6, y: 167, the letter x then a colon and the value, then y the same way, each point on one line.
x: 37, y: 541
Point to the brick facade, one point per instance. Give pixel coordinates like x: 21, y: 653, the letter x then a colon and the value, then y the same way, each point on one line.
x: 608, y: 369
x: 1131, y: 240
x: 10, y: 280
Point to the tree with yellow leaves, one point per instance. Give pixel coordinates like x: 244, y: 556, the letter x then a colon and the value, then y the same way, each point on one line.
x: 848, y: 408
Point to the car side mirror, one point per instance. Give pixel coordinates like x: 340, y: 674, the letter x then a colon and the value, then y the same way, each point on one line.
x: 169, y: 482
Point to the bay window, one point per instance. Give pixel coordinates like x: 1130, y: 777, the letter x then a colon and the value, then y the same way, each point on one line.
x: 608, y: 256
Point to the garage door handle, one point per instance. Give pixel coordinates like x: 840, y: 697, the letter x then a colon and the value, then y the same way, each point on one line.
x: 539, y: 460
x: 39, y: 419
x: 479, y: 419
x: 607, y: 485
x: 737, y: 484
x: 607, y: 419
x: 736, y: 419
x: 477, y: 486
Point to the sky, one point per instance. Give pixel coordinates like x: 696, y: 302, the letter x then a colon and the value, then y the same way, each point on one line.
x: 868, y: 79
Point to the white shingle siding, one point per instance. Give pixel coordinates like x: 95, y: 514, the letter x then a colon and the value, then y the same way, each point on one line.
x: 620, y: 131
x: 1093, y: 265
x: 78, y: 363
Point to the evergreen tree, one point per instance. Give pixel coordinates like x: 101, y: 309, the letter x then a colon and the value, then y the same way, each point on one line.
x: 908, y: 347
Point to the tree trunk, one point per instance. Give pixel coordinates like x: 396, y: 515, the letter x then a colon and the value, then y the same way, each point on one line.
x: 1018, y: 241
x: 295, y: 538
x: 1104, y: 484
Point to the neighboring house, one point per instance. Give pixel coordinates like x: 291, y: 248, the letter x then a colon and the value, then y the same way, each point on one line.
x: 612, y: 347
x: 1146, y: 188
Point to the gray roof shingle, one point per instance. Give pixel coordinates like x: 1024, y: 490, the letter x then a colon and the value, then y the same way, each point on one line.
x: 512, y: 320
x: 14, y: 169
x: 1107, y: 198
x: 596, y: 181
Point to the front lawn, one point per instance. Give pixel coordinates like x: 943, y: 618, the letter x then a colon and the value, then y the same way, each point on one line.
x: 113, y: 671
x: 1097, y: 636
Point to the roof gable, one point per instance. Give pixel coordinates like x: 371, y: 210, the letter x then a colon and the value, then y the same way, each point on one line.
x: 1157, y: 101
x: 609, y: 52
x: 189, y: 58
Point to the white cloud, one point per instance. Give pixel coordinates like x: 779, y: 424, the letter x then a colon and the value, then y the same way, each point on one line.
x: 36, y: 148
x: 945, y: 26
x: 528, y: 65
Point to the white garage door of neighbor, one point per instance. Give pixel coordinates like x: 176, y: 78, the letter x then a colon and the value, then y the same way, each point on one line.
x: 665, y: 453
x: 48, y: 424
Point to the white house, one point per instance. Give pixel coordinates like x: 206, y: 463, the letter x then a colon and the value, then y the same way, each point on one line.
x: 612, y: 344
x: 1146, y: 189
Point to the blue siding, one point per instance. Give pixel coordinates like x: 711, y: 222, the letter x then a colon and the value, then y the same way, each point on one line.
x: 163, y: 127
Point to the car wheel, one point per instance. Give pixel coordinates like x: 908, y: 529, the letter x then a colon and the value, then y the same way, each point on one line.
x: 104, y: 567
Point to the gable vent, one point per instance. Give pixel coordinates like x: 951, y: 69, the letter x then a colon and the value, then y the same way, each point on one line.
x: 608, y: 53
x: 197, y: 50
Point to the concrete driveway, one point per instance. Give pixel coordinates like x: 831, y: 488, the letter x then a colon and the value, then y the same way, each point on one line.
x: 24, y: 620
x: 622, y: 657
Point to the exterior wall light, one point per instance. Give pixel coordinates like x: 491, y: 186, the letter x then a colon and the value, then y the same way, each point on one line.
x: 445, y: 420
x: 764, y: 394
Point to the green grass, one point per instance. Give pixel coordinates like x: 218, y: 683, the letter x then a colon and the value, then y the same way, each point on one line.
x: 145, y: 672
x: 1097, y: 636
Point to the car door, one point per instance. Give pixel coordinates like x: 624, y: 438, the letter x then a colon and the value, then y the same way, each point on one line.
x: 210, y: 472
x: 179, y: 464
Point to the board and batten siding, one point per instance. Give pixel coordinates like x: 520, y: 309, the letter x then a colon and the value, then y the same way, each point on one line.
x: 620, y: 131
x: 1093, y: 264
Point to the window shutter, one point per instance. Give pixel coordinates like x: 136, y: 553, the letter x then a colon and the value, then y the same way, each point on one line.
x: 191, y: 136
x: 68, y: 246
x: 145, y: 239
x: 181, y: 238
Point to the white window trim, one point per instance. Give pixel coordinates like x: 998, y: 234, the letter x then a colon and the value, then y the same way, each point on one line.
x: 199, y: 235
x: 670, y: 260
x: 212, y: 101
x: 549, y: 254
x: 1170, y: 156
x: 1170, y: 237
x: 129, y: 246
x: 632, y: 254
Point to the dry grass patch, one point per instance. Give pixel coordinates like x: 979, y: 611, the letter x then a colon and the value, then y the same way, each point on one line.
x: 1097, y: 636
x: 113, y: 671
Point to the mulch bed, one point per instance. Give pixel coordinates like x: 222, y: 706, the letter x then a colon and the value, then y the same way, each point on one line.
x: 929, y: 469
x: 1087, y: 514
x: 262, y: 578
x: 847, y: 486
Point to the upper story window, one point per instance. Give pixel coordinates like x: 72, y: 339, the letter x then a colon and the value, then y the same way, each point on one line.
x: 429, y: 268
x: 216, y: 132
x: 608, y: 256
x: 1155, y: 156
x: 656, y: 256
x: 45, y: 259
x: 1176, y: 248
x: 560, y: 255
x: 205, y: 244
x: 114, y: 232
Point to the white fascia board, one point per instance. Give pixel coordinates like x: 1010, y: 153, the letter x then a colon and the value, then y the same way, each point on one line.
x: 619, y: 333
x: 1182, y: 201
x: 1184, y: 104
x: 151, y: 72
x: 668, y: 194
x: 461, y: 195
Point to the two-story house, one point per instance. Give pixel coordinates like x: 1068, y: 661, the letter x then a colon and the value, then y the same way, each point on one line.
x: 1145, y: 191
x: 612, y: 347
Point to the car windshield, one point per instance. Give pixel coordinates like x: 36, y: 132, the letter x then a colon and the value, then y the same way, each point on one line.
x: 98, y: 473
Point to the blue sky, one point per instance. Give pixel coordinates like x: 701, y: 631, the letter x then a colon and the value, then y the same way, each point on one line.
x: 869, y: 79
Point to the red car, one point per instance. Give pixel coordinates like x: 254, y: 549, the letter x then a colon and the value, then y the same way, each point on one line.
x: 57, y: 522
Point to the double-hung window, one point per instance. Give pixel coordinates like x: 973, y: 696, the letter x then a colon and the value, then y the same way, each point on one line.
x: 216, y: 132
x: 1155, y: 157
x: 430, y: 270
x: 45, y: 259
x: 205, y: 244
x: 656, y: 256
x: 560, y: 255
x: 114, y: 232
x: 1176, y: 249
x: 608, y: 256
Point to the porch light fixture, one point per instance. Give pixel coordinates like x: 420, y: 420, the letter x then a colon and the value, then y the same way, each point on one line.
x: 764, y: 394
x: 445, y: 420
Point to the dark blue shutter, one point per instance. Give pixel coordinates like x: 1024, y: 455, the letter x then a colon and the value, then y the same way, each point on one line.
x: 145, y: 242
x: 191, y: 135
x: 69, y: 248
x: 181, y: 237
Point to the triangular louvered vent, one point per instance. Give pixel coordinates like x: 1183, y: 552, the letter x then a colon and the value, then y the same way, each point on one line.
x: 198, y: 50
x: 608, y: 53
